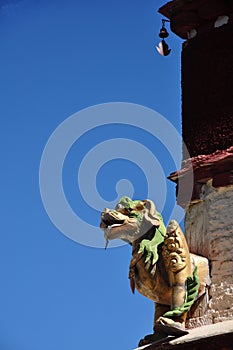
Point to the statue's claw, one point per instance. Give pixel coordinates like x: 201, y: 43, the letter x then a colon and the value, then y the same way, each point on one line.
x: 170, y: 327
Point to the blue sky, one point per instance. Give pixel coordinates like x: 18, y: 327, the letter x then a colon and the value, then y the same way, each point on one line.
x: 57, y: 58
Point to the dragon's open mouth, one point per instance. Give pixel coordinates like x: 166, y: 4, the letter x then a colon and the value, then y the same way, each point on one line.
x: 123, y: 222
x: 109, y: 222
x: 108, y: 225
x: 113, y: 223
x: 111, y: 219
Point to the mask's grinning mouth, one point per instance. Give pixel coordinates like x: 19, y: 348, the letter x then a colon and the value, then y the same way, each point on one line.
x: 108, y: 228
x: 115, y: 225
x: 110, y: 224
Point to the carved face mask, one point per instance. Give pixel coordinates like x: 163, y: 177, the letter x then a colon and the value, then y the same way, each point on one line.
x: 129, y: 220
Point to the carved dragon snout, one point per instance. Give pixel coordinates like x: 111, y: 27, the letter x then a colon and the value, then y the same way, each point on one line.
x: 129, y: 220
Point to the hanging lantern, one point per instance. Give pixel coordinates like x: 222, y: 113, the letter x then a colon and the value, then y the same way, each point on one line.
x: 163, y: 31
x: 163, y: 48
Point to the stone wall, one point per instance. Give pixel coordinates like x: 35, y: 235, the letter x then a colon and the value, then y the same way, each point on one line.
x: 209, y: 232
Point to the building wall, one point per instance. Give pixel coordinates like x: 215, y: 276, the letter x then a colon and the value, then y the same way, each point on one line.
x: 207, y: 91
x: 209, y: 232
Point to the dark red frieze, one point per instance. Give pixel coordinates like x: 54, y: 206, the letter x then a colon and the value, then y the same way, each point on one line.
x: 217, y: 167
x: 207, y: 91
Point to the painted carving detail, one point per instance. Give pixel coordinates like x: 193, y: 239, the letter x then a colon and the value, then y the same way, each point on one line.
x: 162, y: 268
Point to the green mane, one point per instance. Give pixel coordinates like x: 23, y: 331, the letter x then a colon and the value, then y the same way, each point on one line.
x: 151, y: 246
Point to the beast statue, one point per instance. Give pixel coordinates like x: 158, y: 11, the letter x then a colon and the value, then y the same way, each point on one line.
x: 162, y: 268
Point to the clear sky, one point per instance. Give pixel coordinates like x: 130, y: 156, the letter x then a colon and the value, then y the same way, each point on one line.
x: 57, y: 58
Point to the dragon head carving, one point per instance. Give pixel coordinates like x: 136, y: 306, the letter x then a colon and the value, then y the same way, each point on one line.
x: 129, y: 220
x: 161, y: 268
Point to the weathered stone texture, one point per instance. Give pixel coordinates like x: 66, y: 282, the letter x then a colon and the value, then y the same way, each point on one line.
x: 209, y: 232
